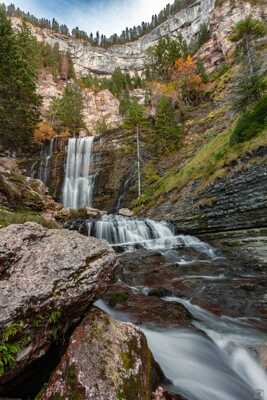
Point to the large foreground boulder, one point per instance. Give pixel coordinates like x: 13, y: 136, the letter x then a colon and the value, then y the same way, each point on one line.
x: 105, y: 360
x: 48, y: 279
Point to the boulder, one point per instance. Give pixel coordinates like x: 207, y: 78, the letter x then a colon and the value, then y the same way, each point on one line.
x: 19, y: 191
x: 48, y: 279
x: 105, y: 360
x: 125, y: 212
x: 68, y: 214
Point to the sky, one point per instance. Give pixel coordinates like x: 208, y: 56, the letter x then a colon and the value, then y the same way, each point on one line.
x: 106, y: 16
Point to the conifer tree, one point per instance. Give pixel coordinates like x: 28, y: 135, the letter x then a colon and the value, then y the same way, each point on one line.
x: 19, y: 102
x: 250, y: 83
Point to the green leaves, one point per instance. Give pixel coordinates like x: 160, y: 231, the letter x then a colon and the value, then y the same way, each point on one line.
x: 19, y: 102
x: 166, y: 127
x: 251, y: 123
x: 249, y: 26
x: 163, y: 55
x: 7, y: 356
x: 66, y: 113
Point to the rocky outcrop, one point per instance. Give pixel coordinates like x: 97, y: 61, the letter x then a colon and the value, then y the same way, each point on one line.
x: 19, y: 191
x: 131, y: 56
x: 100, y: 108
x: 48, y: 279
x: 105, y: 359
x: 101, y: 111
x: 115, y: 169
x: 234, y: 203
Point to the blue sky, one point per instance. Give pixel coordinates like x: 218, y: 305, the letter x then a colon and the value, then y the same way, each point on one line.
x: 107, y: 16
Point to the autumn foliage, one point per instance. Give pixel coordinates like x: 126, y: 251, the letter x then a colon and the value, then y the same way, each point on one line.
x: 43, y: 132
x: 189, y: 83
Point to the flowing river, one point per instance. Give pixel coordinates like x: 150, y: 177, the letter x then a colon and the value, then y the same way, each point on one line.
x: 217, y: 356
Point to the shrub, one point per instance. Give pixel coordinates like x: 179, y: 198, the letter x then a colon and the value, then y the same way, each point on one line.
x: 251, y: 123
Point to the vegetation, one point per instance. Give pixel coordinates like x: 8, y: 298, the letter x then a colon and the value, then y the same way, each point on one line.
x: 19, y: 102
x: 251, y: 123
x: 166, y: 127
x: 163, y: 55
x: 127, y: 35
x: 119, y: 83
x: 250, y: 84
x: 190, y: 83
x: 66, y: 113
x: 9, y: 217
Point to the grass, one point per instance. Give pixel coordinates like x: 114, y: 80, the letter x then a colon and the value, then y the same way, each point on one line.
x: 208, y: 164
x: 9, y: 217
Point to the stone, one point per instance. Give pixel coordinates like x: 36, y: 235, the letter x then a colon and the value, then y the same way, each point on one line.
x: 19, y: 191
x: 101, y: 111
x: 48, y: 279
x: 105, y: 359
x: 125, y: 212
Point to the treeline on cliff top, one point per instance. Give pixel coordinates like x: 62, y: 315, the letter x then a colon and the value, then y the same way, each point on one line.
x: 127, y: 35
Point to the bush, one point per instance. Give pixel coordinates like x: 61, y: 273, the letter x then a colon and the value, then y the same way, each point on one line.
x: 251, y: 123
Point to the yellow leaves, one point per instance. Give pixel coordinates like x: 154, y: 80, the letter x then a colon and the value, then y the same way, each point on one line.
x: 43, y: 132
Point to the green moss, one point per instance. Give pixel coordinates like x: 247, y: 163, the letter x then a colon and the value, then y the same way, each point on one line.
x: 118, y: 298
x: 9, y: 217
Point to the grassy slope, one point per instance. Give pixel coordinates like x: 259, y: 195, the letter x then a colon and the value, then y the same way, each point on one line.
x: 205, y: 151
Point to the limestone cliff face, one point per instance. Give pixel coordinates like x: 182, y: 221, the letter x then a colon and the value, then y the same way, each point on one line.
x: 99, y: 107
x: 131, y: 56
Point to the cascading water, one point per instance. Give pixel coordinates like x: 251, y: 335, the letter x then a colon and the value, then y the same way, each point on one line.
x: 130, y: 233
x: 46, y: 156
x: 79, y: 183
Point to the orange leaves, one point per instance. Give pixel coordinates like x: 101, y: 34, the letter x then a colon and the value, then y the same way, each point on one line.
x: 189, y: 82
x: 43, y: 132
x: 186, y: 69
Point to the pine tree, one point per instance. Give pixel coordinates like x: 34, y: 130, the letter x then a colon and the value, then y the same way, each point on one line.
x: 166, y: 127
x: 250, y: 84
x: 19, y: 102
x: 67, y: 112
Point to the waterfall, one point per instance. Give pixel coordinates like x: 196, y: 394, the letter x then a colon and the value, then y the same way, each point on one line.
x: 118, y: 230
x: 78, y: 185
x: 131, y: 233
x: 46, y: 156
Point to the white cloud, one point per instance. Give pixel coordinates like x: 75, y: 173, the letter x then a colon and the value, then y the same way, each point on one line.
x: 107, y: 18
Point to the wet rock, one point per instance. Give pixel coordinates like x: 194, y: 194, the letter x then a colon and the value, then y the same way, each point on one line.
x: 105, y: 359
x: 125, y: 212
x: 145, y: 310
x: 48, y: 280
x: 68, y: 214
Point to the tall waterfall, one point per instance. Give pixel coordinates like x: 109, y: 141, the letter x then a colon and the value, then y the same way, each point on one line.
x: 78, y: 185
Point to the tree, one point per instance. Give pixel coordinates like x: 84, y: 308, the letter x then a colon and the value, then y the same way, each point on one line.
x: 250, y: 84
x: 19, y: 102
x: 167, y: 130
x: 162, y: 56
x: 67, y: 112
x: 44, y: 132
x: 245, y: 32
x: 189, y: 83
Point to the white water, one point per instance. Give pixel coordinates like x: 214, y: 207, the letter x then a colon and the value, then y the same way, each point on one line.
x: 145, y: 233
x: 46, y: 156
x: 78, y: 185
x: 218, y: 366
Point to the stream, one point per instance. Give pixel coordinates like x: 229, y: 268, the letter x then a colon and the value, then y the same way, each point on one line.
x: 216, y: 356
